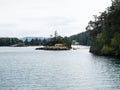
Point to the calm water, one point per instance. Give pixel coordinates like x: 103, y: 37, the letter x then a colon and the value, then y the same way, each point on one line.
x: 23, y: 68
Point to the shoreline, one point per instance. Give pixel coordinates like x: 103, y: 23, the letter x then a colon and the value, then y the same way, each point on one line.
x: 52, y: 48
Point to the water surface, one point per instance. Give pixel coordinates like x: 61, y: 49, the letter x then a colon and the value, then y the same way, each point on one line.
x: 24, y: 68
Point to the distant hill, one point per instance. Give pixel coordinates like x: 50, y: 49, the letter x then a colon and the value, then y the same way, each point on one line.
x: 82, y: 38
x: 30, y: 38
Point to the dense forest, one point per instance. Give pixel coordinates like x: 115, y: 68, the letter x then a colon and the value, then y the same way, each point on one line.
x: 32, y: 41
x: 105, y: 31
x: 17, y: 42
x: 82, y: 38
x: 9, y: 41
x: 35, y: 42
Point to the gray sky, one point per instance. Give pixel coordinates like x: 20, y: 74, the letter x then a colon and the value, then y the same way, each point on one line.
x: 19, y: 18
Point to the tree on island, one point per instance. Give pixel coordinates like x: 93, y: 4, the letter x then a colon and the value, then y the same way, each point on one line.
x: 59, y: 40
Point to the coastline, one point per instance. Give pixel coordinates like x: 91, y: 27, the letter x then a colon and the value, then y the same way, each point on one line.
x: 52, y: 48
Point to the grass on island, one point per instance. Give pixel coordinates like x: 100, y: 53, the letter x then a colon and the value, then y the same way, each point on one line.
x: 57, y: 47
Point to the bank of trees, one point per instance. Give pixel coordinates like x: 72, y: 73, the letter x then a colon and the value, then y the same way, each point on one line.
x: 105, y: 31
x: 18, y: 42
x: 35, y: 42
x: 9, y: 41
x: 82, y: 38
x: 59, y: 40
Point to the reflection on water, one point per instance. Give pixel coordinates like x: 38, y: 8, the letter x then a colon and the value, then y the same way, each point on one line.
x: 23, y: 68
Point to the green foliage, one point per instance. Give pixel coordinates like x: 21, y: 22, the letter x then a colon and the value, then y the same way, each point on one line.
x: 26, y: 42
x: 55, y: 40
x: 82, y: 38
x: 106, y: 50
x: 16, y: 41
x: 105, y: 31
x: 116, y: 41
x: 99, y: 41
x: 34, y: 42
x: 59, y: 40
x: 9, y: 41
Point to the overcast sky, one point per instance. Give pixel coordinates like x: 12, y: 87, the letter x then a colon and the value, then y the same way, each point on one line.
x: 19, y: 18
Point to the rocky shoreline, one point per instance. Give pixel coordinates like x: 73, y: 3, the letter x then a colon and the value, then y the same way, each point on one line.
x: 98, y: 52
x: 53, y: 48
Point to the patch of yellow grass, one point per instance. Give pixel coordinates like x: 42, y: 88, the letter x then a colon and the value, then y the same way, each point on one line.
x: 58, y: 47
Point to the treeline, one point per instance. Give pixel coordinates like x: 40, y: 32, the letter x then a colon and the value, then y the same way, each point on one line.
x: 105, y: 31
x: 35, y: 42
x: 48, y: 42
x: 82, y: 38
x: 18, y: 42
x: 9, y: 41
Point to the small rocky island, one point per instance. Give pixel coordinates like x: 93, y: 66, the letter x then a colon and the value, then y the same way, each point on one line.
x: 53, y: 48
x: 56, y: 43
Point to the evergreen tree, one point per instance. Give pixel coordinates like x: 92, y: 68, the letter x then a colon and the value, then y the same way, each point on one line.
x: 105, y: 31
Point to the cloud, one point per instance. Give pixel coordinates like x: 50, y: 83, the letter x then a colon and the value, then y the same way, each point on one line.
x: 42, y: 17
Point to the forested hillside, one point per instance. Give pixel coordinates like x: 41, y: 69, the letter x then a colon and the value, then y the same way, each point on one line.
x: 105, y: 31
x: 82, y: 38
